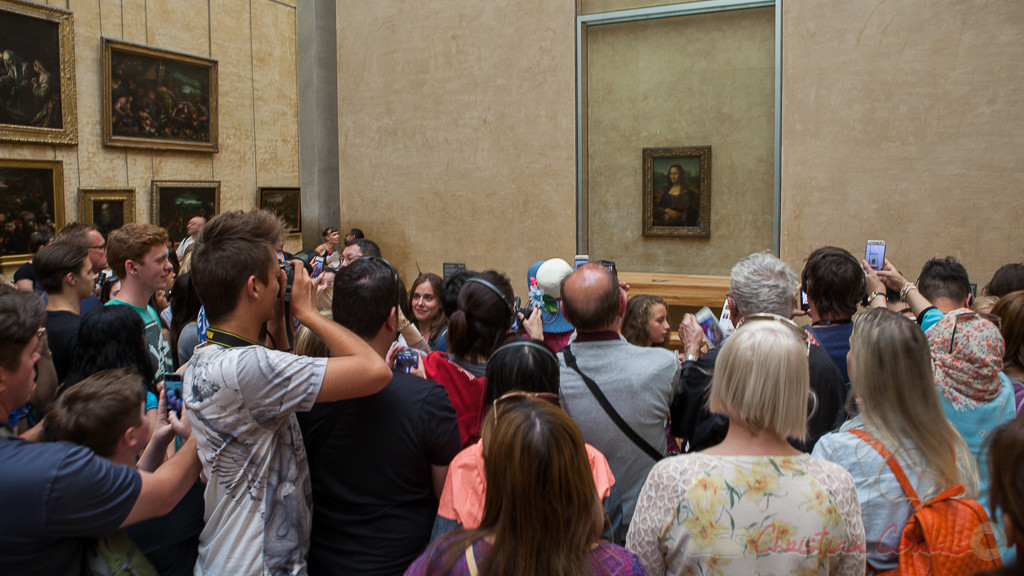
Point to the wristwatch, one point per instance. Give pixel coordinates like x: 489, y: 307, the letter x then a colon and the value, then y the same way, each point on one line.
x: 690, y: 358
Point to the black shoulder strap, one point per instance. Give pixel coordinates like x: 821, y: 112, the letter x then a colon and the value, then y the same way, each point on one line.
x: 570, y: 360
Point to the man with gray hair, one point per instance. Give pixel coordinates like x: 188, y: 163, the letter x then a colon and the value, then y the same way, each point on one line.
x: 763, y: 287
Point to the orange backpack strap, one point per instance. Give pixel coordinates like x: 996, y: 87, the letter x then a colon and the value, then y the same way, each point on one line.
x: 897, y: 470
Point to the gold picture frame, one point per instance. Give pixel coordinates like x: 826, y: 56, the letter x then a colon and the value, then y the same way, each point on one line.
x: 31, y: 200
x: 174, y: 202
x: 286, y: 203
x: 158, y: 99
x: 677, y: 191
x: 107, y: 208
x: 37, y: 74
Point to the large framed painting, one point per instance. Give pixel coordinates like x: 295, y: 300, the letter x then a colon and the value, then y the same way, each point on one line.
x: 176, y: 202
x: 107, y: 208
x: 286, y: 203
x: 677, y: 191
x: 158, y: 99
x: 31, y: 200
x: 37, y: 74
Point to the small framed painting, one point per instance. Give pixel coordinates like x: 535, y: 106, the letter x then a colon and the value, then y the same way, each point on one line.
x: 677, y: 191
x: 286, y: 203
x: 175, y: 202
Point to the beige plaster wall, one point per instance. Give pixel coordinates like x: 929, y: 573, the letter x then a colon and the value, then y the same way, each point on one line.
x: 254, y: 43
x: 699, y: 80
x: 904, y: 121
x: 457, y: 131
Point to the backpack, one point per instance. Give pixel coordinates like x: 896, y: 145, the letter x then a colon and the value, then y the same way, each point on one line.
x: 946, y: 535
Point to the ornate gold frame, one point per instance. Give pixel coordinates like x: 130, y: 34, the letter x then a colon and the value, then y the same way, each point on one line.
x: 68, y: 134
x: 56, y: 168
x: 703, y: 156
x: 86, y: 196
x: 153, y: 143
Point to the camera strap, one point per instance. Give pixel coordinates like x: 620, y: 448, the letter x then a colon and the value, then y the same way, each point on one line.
x: 227, y: 339
x: 642, y: 444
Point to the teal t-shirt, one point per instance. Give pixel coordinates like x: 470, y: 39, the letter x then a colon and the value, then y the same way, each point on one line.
x: 159, y: 349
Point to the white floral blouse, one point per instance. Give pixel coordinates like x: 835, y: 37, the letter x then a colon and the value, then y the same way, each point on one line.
x: 703, y: 514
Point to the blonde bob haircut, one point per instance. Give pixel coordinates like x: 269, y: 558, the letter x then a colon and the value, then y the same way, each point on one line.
x: 761, y: 380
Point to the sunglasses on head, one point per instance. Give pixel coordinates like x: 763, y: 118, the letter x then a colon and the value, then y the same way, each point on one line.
x: 767, y: 316
x: 516, y: 396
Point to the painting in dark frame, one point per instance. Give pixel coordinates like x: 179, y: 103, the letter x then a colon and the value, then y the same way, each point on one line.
x: 176, y: 202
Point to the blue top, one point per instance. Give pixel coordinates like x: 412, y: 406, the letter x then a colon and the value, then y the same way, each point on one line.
x: 835, y: 339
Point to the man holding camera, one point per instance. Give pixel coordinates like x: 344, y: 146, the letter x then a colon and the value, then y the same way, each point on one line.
x: 243, y: 397
x: 378, y: 463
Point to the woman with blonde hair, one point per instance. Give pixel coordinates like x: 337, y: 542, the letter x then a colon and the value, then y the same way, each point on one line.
x: 753, y: 503
x: 646, y: 321
x: 892, y: 380
x: 542, y: 515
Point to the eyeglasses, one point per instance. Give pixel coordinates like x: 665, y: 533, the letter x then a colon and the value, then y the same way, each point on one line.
x: 517, y: 395
x: 762, y: 316
x: 100, y: 247
x: 956, y: 322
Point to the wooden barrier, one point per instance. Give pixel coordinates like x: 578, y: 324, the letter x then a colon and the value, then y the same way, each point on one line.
x: 680, y: 289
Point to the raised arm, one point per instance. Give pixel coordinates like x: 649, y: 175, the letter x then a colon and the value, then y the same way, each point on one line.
x: 354, y: 368
x: 908, y: 290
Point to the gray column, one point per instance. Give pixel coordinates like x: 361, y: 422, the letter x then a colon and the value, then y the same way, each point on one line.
x: 317, y: 53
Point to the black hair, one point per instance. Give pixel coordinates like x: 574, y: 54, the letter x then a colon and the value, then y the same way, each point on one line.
x: 527, y: 365
x: 37, y: 240
x: 185, y: 305
x: 944, y: 278
x: 834, y: 279
x: 366, y: 247
x: 482, y: 320
x: 111, y: 337
x: 450, y: 289
x: 356, y: 233
x: 365, y: 291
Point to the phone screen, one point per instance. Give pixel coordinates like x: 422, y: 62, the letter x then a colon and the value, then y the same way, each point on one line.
x: 581, y: 259
x: 805, y: 305
x: 874, y: 253
x: 172, y: 392
x: 709, y: 325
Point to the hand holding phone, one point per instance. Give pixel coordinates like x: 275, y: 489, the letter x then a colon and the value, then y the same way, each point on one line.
x: 874, y: 253
x: 713, y: 332
x: 173, y: 393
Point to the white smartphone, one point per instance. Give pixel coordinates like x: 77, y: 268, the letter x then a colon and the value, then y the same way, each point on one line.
x: 713, y: 332
x: 581, y: 259
x: 874, y: 253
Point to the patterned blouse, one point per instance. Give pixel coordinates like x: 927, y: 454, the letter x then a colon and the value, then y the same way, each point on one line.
x: 704, y: 514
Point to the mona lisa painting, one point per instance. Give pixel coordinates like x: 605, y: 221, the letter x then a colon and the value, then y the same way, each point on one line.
x: 677, y: 191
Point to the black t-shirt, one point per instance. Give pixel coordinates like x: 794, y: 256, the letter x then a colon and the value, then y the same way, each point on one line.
x: 693, y: 422
x: 62, y: 337
x: 25, y: 272
x: 370, y: 466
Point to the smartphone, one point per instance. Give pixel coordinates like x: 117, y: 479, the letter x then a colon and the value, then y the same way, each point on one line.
x: 581, y: 259
x: 874, y: 253
x: 172, y: 392
x: 712, y: 329
x: 805, y: 304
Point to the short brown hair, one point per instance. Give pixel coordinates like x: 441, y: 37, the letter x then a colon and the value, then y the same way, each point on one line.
x: 96, y: 411
x: 55, y: 261
x: 131, y: 242
x: 232, y: 247
x: 1010, y: 309
x: 76, y: 233
x: 21, y: 316
x: 592, y: 309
